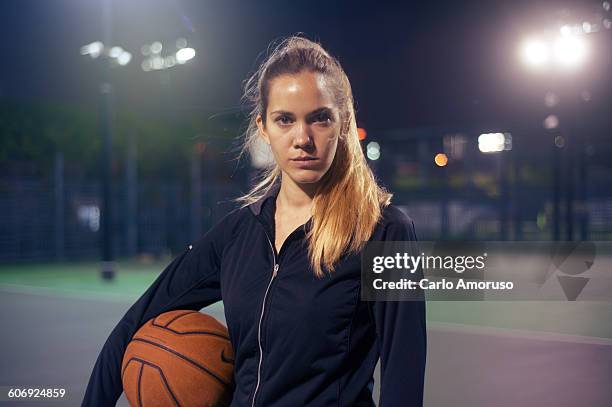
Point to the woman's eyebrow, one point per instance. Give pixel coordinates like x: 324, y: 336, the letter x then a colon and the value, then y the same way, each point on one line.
x: 315, y: 112
x: 323, y: 109
x: 281, y: 112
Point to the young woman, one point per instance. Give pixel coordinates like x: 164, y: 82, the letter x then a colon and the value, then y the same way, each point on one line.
x: 287, y: 263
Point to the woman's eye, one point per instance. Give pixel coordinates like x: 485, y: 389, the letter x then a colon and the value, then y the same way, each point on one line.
x: 283, y: 120
x: 323, y: 118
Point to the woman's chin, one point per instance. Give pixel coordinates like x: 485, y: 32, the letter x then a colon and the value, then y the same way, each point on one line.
x: 306, y: 177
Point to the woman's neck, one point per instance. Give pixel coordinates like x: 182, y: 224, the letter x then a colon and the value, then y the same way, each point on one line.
x: 295, y: 198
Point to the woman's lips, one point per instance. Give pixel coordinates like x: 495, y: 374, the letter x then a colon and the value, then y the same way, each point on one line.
x: 304, y: 159
x: 305, y: 162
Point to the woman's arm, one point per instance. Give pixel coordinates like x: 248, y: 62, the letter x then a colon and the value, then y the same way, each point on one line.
x: 190, y: 281
x: 402, y: 338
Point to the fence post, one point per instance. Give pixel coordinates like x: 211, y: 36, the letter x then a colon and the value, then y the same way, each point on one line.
x: 196, y: 191
x: 58, y: 184
x: 131, y: 180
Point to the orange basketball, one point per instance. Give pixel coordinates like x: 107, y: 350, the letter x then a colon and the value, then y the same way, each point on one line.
x: 180, y: 358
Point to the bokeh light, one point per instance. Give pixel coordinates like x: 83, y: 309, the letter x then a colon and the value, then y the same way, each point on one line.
x: 373, y: 150
x: 551, y: 122
x: 441, y: 159
x: 361, y: 133
x: 494, y: 142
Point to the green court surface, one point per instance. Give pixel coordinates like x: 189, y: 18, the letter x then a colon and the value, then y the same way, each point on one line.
x: 582, y: 318
x: 82, y: 280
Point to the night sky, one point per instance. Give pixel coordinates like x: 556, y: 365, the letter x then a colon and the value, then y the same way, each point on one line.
x: 411, y: 64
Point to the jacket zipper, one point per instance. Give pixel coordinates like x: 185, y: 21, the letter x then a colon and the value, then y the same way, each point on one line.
x: 263, y: 307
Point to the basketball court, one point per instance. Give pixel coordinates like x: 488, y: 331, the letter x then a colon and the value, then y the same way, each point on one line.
x: 480, y: 354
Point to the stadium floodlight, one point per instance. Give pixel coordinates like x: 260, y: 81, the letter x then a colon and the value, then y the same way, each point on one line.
x: 569, y: 51
x: 115, y: 52
x: 536, y: 53
x: 124, y: 58
x: 94, y: 49
x: 157, y: 60
x: 116, y: 55
x: 184, y: 54
x: 494, y: 142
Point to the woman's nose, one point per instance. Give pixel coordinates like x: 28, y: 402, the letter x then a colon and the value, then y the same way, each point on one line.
x: 302, y: 136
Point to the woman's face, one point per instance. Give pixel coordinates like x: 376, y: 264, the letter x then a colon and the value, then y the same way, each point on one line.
x: 302, y: 125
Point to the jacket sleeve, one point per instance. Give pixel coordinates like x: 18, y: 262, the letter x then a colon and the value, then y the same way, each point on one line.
x: 190, y: 281
x: 402, y: 338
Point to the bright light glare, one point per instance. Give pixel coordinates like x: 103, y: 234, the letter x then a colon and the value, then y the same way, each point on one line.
x: 185, y: 54
x: 535, y: 53
x: 570, y: 51
x: 93, y: 50
x: 492, y: 142
x: 115, y: 52
x: 124, y: 58
x: 566, y: 30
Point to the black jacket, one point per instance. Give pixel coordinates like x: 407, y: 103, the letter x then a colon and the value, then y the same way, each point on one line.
x: 298, y: 340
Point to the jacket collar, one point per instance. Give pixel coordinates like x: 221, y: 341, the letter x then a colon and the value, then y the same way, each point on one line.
x: 256, y: 206
x: 264, y: 210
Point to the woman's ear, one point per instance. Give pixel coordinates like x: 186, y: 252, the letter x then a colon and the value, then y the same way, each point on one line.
x: 262, y: 130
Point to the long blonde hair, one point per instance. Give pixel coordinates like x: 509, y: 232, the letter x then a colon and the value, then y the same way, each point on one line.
x: 349, y: 202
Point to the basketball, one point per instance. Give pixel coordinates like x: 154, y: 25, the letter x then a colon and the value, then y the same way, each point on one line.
x: 179, y: 358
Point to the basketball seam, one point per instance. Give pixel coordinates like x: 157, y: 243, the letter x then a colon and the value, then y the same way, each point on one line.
x: 139, y: 385
x: 125, y: 368
x: 223, y: 382
x: 191, y: 332
x: 226, y: 359
x: 174, y: 319
x: 161, y: 373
